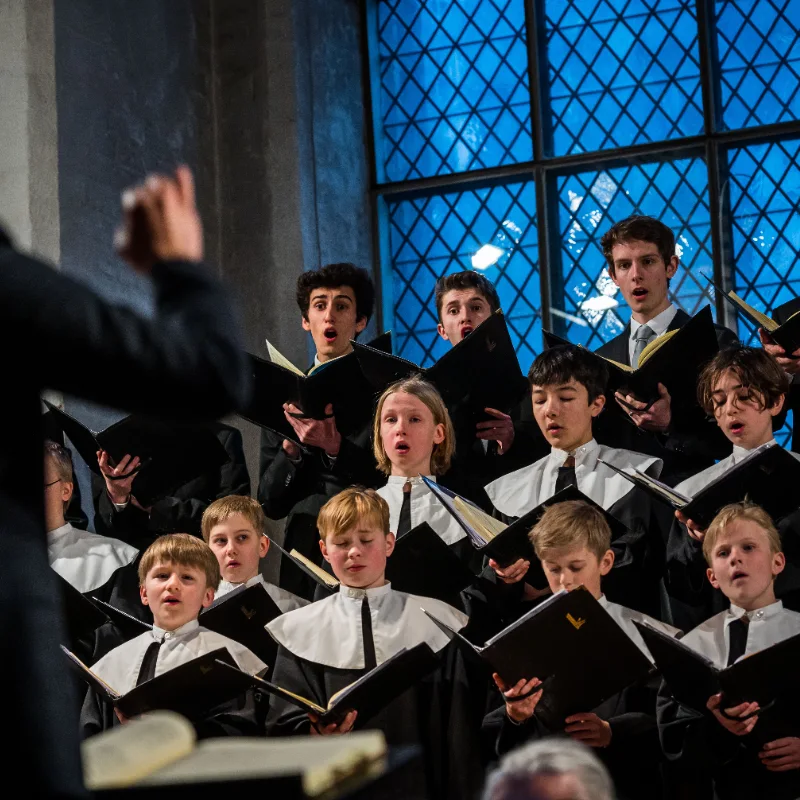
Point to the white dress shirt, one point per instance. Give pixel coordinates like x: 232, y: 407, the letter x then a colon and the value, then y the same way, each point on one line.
x: 658, y: 325
x: 329, y: 631
x: 424, y: 508
x: 519, y: 492
x: 768, y: 626
x: 86, y: 560
x: 120, y: 668
x: 286, y: 601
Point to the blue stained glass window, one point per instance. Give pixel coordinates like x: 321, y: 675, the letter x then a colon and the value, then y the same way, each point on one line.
x: 765, y: 193
x: 759, y: 55
x: 590, y: 202
x: 454, y: 92
x: 439, y: 234
x: 622, y: 72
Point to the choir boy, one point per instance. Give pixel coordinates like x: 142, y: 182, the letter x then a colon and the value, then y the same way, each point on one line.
x: 743, y: 550
x: 745, y: 391
x: 567, y: 389
x: 572, y: 540
x: 463, y: 301
x: 178, y: 576
x: 234, y: 528
x: 641, y: 260
x: 331, y: 643
x: 335, y: 303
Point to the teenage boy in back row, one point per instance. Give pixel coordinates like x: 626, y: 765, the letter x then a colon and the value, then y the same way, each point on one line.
x: 641, y: 259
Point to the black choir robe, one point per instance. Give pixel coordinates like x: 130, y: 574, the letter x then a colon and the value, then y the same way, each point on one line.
x: 692, y: 443
x: 181, y: 511
x: 442, y: 713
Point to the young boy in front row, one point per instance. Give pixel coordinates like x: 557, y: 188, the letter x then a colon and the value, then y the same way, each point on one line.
x: 329, y: 644
x: 743, y: 551
x: 744, y: 389
x: 234, y: 527
x: 568, y: 386
x: 178, y: 575
x: 572, y: 540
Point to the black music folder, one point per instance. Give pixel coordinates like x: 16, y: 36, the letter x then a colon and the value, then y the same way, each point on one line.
x: 192, y: 689
x: 424, y: 565
x: 82, y: 616
x: 769, y: 476
x: 675, y: 359
x: 481, y: 371
x: 572, y: 645
x: 787, y: 335
x: 507, y: 543
x: 171, y: 453
x: 372, y: 692
x: 766, y: 677
x: 318, y: 574
x: 339, y: 383
x: 241, y: 615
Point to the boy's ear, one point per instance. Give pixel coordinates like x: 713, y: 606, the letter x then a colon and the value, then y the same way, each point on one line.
x: 305, y: 323
x: 390, y: 542
x: 672, y: 267
x: 441, y: 331
x: 361, y: 323
x: 598, y: 404
x: 67, y: 488
x: 607, y: 562
x: 143, y: 595
x: 323, y: 548
x: 208, y: 597
x: 438, y: 434
x: 712, y: 578
x: 776, y: 409
x: 778, y: 564
x: 263, y: 546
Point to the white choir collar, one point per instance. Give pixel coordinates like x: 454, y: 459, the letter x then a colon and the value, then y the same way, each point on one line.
x: 579, y: 453
x: 190, y: 627
x: 376, y: 593
x: 399, y: 479
x: 760, y: 614
x: 740, y: 453
x: 658, y: 324
x: 226, y: 586
x: 58, y: 533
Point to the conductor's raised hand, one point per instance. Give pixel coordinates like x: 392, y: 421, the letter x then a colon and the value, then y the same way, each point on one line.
x: 345, y: 726
x: 789, y: 362
x: 161, y: 222
x: 119, y: 479
x: 697, y: 533
x: 320, y: 433
x: 521, y: 698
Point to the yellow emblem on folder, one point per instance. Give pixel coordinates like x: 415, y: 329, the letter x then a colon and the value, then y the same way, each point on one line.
x: 249, y: 613
x: 576, y: 623
x: 205, y: 670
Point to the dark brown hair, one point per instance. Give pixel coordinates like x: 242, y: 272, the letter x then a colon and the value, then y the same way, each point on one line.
x: 637, y: 228
x: 330, y: 277
x: 565, y: 362
x: 466, y: 280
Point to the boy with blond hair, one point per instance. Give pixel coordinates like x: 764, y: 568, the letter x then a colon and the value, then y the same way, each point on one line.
x: 742, y: 548
x: 329, y: 644
x: 573, y: 542
x: 234, y: 527
x: 178, y: 576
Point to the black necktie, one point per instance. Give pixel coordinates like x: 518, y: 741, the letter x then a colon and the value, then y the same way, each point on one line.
x: 148, y: 669
x: 737, y: 639
x: 404, y: 525
x: 370, y: 660
x: 566, y: 474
